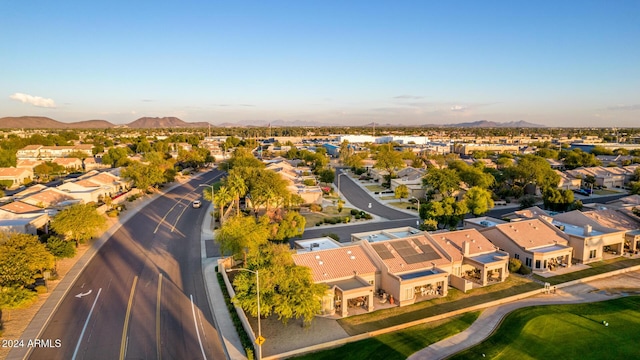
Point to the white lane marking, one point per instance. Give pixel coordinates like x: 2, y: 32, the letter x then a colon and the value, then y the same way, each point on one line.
x: 195, y: 322
x: 84, y: 328
x: 178, y: 219
x: 79, y: 296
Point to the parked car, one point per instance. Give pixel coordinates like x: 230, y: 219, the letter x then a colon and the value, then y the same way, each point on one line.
x: 197, y: 204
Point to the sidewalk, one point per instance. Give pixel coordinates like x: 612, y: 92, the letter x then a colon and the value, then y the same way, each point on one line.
x: 221, y: 316
x: 41, y: 318
x: 491, y: 318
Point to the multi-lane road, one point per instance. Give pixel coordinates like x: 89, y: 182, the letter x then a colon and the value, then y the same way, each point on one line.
x: 142, y: 296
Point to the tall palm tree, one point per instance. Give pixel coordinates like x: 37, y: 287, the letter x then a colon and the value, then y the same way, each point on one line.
x: 238, y: 188
x: 222, y: 197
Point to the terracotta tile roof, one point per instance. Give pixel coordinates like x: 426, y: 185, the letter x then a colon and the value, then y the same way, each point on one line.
x: 336, y: 264
x: 478, y: 244
x: 18, y: 207
x: 28, y: 163
x: 103, y: 178
x: 30, y: 190
x: 397, y: 263
x: 530, y: 234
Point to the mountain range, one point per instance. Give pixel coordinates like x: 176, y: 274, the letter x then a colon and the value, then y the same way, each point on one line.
x: 40, y: 122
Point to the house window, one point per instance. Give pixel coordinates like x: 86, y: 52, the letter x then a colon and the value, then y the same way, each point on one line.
x: 592, y: 254
x: 370, y: 282
x: 527, y: 262
x: 545, y: 264
x: 517, y: 256
x: 537, y: 264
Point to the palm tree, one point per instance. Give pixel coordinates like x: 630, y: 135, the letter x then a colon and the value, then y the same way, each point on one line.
x: 238, y: 188
x: 222, y: 197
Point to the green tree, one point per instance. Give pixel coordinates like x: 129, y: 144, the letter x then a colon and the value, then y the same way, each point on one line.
x: 7, y: 158
x: 447, y: 213
x: 143, y: 176
x: 445, y: 181
x: 327, y: 176
x: 21, y: 257
x: 48, y: 168
x: 222, y: 197
x: 60, y: 248
x: 401, y: 192
x: 557, y: 200
x: 237, y: 186
x: 78, y: 222
x: 117, y: 157
x: 77, y: 155
x: 291, y: 225
x: 389, y: 160
x: 16, y: 297
x: 242, y: 234
x: 286, y: 290
x: 478, y: 200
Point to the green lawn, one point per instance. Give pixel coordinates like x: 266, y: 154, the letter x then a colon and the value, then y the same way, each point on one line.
x: 402, y: 204
x: 455, y: 300
x: 328, y: 211
x: 565, y: 332
x: 399, y: 344
x: 374, y: 188
x: 605, y: 192
x: 596, y: 268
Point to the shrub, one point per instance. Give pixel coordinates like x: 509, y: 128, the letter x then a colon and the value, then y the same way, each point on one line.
x: 41, y: 289
x: 354, y: 212
x: 358, y: 216
x: 347, y: 219
x: 368, y: 216
x: 332, y: 235
x: 524, y: 270
x: 112, y: 213
x: 514, y: 265
x: 319, y: 223
x: 315, y: 207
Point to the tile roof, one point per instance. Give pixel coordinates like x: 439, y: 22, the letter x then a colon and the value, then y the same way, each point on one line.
x: 87, y: 183
x: 47, y: 197
x: 530, y: 234
x: 478, y: 244
x: 336, y: 264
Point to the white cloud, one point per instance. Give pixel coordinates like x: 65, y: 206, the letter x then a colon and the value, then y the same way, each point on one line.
x: 459, y: 108
x: 624, y: 107
x: 33, y: 100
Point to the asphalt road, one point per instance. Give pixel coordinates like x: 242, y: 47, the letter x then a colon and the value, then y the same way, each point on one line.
x: 363, y: 200
x: 143, y: 295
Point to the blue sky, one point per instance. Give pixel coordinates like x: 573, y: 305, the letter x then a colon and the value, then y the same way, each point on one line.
x: 570, y: 63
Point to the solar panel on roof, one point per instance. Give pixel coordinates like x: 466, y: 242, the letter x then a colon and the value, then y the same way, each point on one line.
x: 382, y: 251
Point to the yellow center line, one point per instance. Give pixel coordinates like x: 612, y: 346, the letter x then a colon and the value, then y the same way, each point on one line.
x: 123, y: 343
x: 158, y: 353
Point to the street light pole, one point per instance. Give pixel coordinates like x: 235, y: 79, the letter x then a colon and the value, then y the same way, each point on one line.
x: 213, y: 202
x: 418, y: 200
x: 259, y: 338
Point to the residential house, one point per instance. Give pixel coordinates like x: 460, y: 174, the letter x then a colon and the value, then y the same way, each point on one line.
x: 24, y: 223
x: 411, y: 269
x: 28, y: 163
x: 412, y: 179
x: 475, y: 260
x: 70, y: 164
x: 590, y: 240
x: 50, y: 198
x: 528, y: 213
x: 12, y: 177
x: 348, y: 272
x: 568, y: 182
x: 52, y: 152
x: 535, y: 242
x: 84, y: 190
x: 620, y: 219
x: 481, y: 222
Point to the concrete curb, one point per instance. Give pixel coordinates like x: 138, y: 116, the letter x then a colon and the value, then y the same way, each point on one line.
x: 43, y: 316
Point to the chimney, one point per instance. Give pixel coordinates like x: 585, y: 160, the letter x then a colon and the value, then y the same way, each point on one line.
x: 587, y: 230
x: 465, y: 248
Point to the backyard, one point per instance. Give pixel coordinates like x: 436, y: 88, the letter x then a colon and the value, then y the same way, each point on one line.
x: 455, y: 300
x: 602, y: 330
